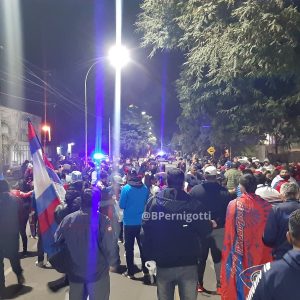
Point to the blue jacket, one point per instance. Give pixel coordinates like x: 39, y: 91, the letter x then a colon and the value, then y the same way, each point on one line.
x: 279, y: 280
x: 133, y: 199
x: 277, y: 227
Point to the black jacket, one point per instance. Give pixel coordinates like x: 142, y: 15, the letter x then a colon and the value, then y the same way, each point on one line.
x: 173, y: 240
x: 214, y: 199
x: 277, y: 227
x: 9, y: 225
x: 279, y: 280
x: 72, y: 202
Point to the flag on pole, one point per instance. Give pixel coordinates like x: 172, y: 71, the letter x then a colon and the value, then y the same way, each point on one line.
x: 48, y: 190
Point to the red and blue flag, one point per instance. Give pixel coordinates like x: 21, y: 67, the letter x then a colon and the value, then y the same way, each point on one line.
x: 48, y: 190
x: 243, y: 249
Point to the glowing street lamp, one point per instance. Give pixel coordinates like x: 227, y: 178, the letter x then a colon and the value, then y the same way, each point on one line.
x: 47, y: 129
x: 143, y: 113
x: 118, y: 56
x: 70, y: 145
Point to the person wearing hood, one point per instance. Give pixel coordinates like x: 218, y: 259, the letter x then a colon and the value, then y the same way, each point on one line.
x: 72, y: 198
x: 277, y: 223
x: 134, y: 196
x: 214, y: 199
x: 280, y: 279
x: 172, y: 232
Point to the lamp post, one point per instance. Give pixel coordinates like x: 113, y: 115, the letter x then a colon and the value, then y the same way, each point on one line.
x: 118, y: 57
x: 86, y: 109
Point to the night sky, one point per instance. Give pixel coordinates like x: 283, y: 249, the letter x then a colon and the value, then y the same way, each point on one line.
x: 61, y: 39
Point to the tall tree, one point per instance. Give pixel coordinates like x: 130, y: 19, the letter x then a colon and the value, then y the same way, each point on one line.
x: 242, y: 63
x: 136, y: 135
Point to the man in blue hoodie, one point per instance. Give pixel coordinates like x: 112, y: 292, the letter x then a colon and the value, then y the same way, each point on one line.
x: 280, y: 280
x: 133, y: 199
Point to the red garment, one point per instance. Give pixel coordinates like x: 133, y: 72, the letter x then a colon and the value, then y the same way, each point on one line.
x: 20, y: 194
x: 243, y: 247
x: 279, y: 184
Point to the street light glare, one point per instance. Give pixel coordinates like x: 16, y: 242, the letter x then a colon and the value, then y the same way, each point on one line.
x: 45, y: 128
x: 118, y: 56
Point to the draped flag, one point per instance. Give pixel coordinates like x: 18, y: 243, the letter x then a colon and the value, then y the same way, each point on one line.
x: 48, y: 190
x: 243, y: 250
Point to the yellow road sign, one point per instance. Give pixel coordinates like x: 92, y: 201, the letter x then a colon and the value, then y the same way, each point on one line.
x: 211, y: 150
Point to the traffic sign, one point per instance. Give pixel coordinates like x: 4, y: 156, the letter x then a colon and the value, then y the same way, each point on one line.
x: 211, y: 150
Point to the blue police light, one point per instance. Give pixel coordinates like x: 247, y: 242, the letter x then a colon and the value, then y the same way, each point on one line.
x: 161, y: 153
x: 98, y: 156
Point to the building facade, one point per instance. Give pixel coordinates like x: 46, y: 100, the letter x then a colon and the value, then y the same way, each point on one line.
x: 14, y: 145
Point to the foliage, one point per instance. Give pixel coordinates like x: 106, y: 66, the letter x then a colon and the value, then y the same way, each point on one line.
x: 136, y: 137
x: 241, y: 69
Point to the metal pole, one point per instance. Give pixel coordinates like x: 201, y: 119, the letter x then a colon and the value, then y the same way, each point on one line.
x: 116, y: 136
x: 86, y: 112
x: 109, y: 139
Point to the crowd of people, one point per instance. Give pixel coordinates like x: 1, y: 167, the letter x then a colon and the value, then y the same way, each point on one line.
x: 246, y: 213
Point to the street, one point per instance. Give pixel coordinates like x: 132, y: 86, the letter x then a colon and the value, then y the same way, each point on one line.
x: 121, y: 288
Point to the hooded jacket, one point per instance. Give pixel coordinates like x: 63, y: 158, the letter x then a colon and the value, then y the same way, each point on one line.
x: 279, y: 280
x: 134, y: 196
x: 72, y: 202
x: 277, y: 226
x: 214, y: 199
x: 171, y: 233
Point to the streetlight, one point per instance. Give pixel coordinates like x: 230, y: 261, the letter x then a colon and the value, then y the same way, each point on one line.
x: 47, y: 129
x: 70, y: 145
x: 118, y: 56
x: 143, y: 113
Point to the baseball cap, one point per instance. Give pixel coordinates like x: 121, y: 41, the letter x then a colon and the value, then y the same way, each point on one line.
x: 133, y: 172
x: 76, y: 176
x: 211, y: 170
x: 228, y: 164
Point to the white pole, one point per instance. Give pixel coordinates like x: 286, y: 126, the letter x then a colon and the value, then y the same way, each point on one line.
x: 109, y: 139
